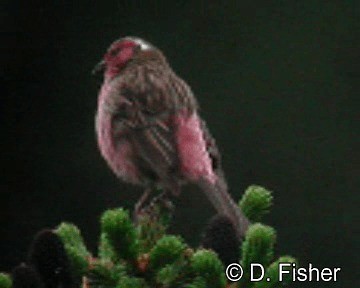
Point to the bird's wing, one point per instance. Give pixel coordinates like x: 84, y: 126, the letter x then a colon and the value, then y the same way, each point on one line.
x: 149, y: 118
x: 211, y: 148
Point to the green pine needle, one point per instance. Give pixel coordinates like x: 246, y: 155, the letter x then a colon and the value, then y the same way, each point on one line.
x: 198, y: 282
x: 120, y: 233
x: 105, y: 275
x: 256, y: 202
x: 207, y: 265
x: 74, y: 247
x: 71, y: 236
x: 131, y: 282
x: 105, y: 250
x: 169, y: 274
x: 258, y: 246
x: 167, y: 250
x: 272, y: 272
x: 5, y: 281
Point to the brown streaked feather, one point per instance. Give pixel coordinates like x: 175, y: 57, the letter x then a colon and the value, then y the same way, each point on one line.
x: 157, y: 149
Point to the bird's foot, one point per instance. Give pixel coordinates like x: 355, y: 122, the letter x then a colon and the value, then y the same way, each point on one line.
x: 140, y: 205
x: 162, y: 201
x: 158, y: 205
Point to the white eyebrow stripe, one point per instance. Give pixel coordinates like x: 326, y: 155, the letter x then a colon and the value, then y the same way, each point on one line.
x: 143, y: 44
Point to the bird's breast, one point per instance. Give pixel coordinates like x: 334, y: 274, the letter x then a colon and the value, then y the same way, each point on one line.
x: 115, y: 149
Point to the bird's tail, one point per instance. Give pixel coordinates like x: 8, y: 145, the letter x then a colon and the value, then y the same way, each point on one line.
x: 222, y: 201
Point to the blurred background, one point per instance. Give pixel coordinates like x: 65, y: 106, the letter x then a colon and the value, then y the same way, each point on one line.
x: 277, y: 81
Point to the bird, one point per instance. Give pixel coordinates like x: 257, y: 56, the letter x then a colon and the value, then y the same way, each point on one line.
x: 149, y: 130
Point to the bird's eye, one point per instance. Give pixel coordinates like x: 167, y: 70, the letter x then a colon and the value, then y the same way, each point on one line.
x: 115, y: 52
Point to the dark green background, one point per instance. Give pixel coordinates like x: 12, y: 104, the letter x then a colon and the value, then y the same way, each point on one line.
x: 278, y: 83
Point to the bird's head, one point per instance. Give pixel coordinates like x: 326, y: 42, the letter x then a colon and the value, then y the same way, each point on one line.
x: 121, y: 52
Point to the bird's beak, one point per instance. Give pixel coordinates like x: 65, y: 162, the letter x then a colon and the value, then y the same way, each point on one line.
x: 100, y: 67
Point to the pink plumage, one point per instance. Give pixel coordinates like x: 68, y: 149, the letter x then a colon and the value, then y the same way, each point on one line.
x: 149, y: 130
x: 195, y: 161
x: 118, y: 154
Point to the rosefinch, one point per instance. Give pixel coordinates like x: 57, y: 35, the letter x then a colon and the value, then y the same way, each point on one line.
x: 149, y: 130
